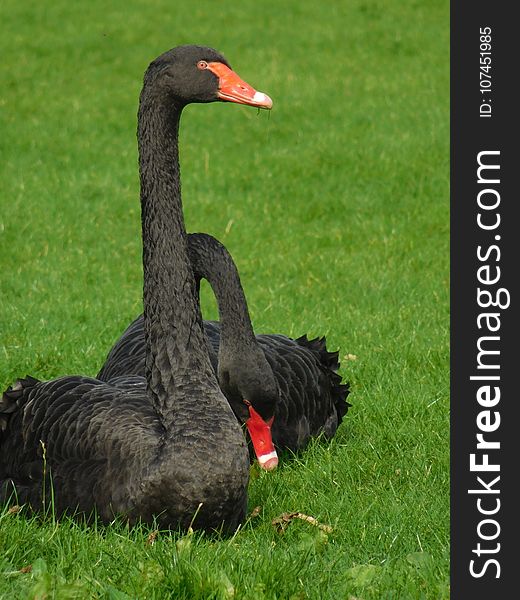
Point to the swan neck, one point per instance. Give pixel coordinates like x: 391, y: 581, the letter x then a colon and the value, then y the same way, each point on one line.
x: 211, y: 261
x: 176, y: 352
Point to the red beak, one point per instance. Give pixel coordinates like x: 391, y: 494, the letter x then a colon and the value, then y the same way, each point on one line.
x: 233, y: 89
x: 260, y: 433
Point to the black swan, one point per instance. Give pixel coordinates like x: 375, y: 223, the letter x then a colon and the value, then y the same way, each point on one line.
x: 304, y: 399
x: 168, y: 446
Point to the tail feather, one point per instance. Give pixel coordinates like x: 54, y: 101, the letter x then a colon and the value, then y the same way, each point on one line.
x: 340, y: 393
x: 13, y: 398
x: 319, y: 346
x: 329, y: 360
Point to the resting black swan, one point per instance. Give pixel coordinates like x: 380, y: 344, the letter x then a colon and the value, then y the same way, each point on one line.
x: 169, y: 446
x: 304, y: 399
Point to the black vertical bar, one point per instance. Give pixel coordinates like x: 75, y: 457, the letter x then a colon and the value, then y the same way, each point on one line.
x: 483, y: 120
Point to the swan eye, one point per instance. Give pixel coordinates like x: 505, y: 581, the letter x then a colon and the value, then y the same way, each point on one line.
x: 202, y: 64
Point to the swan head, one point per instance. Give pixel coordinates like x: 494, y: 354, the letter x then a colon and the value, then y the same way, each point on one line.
x: 188, y: 74
x: 253, y: 393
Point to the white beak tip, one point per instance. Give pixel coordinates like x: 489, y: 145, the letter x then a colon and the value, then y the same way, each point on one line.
x: 262, y: 100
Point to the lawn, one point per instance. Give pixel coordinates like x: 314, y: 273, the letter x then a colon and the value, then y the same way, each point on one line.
x: 335, y: 207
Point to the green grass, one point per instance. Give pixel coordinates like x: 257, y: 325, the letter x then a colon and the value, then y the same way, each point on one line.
x: 335, y: 208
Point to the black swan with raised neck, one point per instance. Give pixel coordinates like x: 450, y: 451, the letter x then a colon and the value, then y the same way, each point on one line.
x: 290, y: 386
x: 166, y: 446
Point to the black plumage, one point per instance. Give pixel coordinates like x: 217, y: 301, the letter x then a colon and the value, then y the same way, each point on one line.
x: 164, y: 445
x: 294, y: 380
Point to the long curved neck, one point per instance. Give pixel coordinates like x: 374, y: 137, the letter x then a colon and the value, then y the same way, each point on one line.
x: 211, y: 261
x: 176, y: 353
